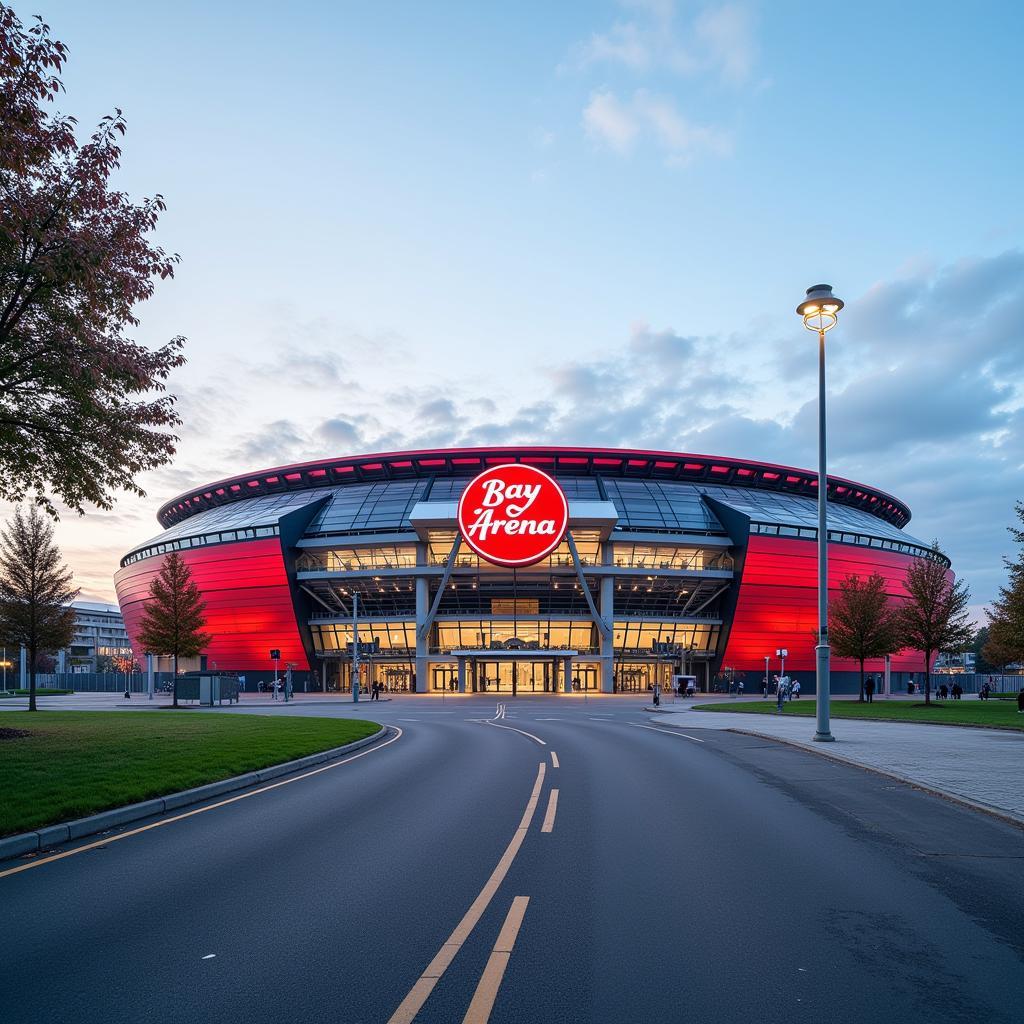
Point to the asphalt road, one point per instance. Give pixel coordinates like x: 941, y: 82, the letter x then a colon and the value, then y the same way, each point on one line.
x: 688, y: 875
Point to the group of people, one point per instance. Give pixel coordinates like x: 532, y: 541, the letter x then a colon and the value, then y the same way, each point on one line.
x: 786, y: 688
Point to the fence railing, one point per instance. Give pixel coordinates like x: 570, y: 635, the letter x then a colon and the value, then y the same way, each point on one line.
x: 96, y: 682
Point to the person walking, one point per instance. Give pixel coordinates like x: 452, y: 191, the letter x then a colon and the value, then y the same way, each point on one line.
x: 780, y: 694
x: 869, y: 689
x: 795, y: 689
x: 1020, y: 703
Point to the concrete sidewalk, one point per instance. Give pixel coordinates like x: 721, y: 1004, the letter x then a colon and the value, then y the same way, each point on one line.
x: 983, y: 766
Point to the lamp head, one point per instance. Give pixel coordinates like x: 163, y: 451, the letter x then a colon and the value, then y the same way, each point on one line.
x: 820, y: 308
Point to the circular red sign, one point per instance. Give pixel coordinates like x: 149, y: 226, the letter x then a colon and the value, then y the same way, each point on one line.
x: 513, y: 515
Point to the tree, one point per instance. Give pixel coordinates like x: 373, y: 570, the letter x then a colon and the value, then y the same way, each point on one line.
x: 35, y: 591
x: 172, y: 624
x: 1006, y: 616
x: 861, y: 622
x: 998, y: 650
x: 934, y: 615
x: 81, y: 406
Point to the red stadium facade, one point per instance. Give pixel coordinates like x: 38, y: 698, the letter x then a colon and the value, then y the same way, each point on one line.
x: 671, y: 564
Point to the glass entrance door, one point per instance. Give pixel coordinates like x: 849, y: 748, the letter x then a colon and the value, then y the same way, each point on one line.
x: 444, y: 677
x: 519, y: 676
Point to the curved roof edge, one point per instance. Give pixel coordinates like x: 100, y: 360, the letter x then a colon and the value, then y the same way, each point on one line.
x: 583, y: 461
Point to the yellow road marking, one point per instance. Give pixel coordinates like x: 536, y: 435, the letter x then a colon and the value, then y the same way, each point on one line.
x: 554, y: 759
x: 521, y: 732
x: 479, y: 1011
x: 200, y: 810
x: 665, y: 732
x: 418, y: 995
x: 549, y: 817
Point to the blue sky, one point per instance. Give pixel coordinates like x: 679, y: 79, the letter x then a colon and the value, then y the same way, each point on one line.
x: 408, y: 223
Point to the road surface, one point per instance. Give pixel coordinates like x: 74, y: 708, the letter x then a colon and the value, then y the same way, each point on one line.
x: 679, y: 875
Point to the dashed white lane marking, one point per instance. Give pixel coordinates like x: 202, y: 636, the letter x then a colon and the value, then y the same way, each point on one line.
x: 554, y: 759
x: 548, y: 719
x: 549, y: 817
x: 209, y: 956
x: 665, y: 732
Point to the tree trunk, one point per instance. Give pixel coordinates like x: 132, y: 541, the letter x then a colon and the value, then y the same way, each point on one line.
x: 32, y: 679
x: 927, y: 677
x: 861, y: 697
x: 174, y: 679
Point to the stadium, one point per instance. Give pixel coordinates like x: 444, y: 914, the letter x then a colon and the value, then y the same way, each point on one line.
x: 670, y: 564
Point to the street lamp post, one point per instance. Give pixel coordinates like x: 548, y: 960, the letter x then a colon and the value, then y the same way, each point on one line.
x: 820, y: 313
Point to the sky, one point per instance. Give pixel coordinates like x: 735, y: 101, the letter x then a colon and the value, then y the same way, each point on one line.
x: 409, y: 224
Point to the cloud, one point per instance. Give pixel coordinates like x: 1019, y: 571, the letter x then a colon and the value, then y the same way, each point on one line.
x: 725, y: 36
x: 718, y: 42
x: 611, y: 122
x: 618, y: 124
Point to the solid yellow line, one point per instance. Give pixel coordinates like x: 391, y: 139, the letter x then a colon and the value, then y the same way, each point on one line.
x: 554, y: 759
x: 479, y: 1011
x: 549, y: 818
x: 201, y: 810
x: 522, y: 732
x: 665, y: 732
x: 413, y: 1002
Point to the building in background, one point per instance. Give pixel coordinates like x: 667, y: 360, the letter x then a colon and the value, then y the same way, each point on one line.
x: 682, y: 564
x: 100, y: 642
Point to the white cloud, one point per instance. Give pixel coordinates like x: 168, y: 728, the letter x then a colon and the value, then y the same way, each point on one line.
x: 726, y: 39
x: 618, y: 125
x: 676, y: 134
x: 718, y: 42
x: 610, y: 122
x: 624, y: 44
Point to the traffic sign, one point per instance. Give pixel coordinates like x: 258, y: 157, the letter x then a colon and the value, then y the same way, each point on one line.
x: 275, y: 654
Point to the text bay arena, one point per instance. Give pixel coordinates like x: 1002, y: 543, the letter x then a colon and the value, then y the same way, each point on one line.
x: 522, y: 570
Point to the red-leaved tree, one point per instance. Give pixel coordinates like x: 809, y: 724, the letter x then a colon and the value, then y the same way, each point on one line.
x: 82, y: 406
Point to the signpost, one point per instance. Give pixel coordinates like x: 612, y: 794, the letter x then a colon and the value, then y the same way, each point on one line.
x: 782, y: 654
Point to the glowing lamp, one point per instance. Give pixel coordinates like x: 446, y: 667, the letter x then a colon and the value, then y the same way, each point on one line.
x: 820, y: 308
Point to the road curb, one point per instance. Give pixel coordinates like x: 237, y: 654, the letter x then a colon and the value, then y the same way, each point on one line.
x: 53, y: 835
x: 995, y: 812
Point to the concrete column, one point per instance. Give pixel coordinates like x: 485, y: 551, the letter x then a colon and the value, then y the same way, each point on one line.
x: 607, y: 681
x: 462, y: 674
x: 23, y: 669
x: 567, y: 669
x: 422, y: 610
x: 554, y: 675
x: 323, y: 675
x: 149, y: 676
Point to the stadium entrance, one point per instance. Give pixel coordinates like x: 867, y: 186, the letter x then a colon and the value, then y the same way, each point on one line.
x: 519, y: 673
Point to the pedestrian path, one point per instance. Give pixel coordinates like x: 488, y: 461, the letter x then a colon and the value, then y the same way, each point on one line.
x: 984, y: 766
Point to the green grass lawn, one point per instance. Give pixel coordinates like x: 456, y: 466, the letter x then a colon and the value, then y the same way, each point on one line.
x: 959, y: 712
x: 74, y: 763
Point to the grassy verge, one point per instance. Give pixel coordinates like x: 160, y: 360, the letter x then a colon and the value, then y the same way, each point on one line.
x: 73, y: 763
x: 958, y: 712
